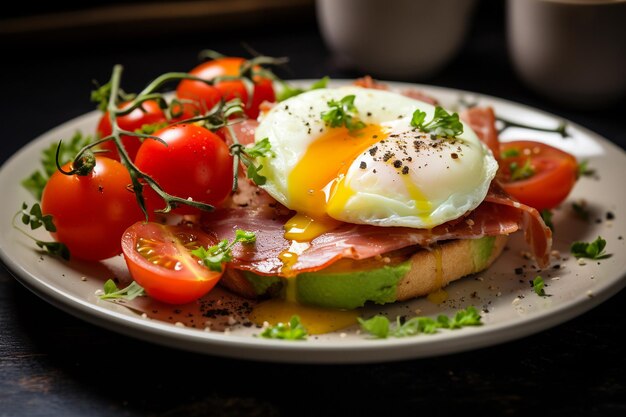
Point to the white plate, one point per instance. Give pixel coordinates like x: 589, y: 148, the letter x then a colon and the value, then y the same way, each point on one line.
x: 574, y: 288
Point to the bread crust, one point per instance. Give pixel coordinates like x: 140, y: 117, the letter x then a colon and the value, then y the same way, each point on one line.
x: 435, y: 268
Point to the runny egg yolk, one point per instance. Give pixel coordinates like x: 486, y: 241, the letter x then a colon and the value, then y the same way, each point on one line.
x: 316, y: 181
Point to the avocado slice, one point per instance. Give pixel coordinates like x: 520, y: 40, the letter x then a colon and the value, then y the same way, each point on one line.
x: 337, y: 287
x: 349, y: 284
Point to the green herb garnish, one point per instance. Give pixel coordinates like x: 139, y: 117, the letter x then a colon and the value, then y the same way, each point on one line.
x: 343, y: 113
x: 294, y: 330
x: 221, y: 253
x: 132, y: 291
x: 521, y: 172
x: 288, y: 91
x: 36, y: 182
x: 380, y: 327
x: 584, y: 170
x: 538, y: 286
x: 35, y: 219
x: 442, y: 123
x: 593, y: 250
x: 247, y: 156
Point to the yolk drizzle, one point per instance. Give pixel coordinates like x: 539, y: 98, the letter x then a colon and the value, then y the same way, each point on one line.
x: 439, y: 295
x: 423, y: 207
x: 315, y: 180
x: 316, y: 320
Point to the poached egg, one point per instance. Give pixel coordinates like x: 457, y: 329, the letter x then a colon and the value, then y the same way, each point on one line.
x: 388, y: 173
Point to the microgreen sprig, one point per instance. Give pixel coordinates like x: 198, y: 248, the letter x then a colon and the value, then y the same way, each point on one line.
x: 217, y: 255
x: 442, y: 123
x: 521, y: 172
x: 539, y: 286
x: 34, y: 218
x: 247, y: 156
x: 51, y: 157
x: 593, y: 250
x: 294, y: 330
x: 112, y: 292
x: 380, y: 327
x: 343, y: 113
x: 289, y: 91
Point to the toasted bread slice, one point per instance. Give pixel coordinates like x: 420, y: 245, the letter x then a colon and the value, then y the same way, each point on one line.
x: 399, y: 276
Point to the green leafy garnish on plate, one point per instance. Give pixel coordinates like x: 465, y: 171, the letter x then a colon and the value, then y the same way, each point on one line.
x: 132, y: 291
x: 294, y: 330
x: 539, y: 286
x: 593, y: 250
x: 380, y: 327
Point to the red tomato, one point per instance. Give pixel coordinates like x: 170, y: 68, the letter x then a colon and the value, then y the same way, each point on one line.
x: 549, y: 176
x: 150, y: 114
x: 91, y: 212
x: 195, y: 164
x: 207, y: 96
x: 159, y: 258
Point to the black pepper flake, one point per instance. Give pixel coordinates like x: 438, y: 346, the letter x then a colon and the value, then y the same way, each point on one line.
x: 387, y: 156
x: 369, y: 113
x: 375, y: 136
x: 374, y: 171
x: 373, y: 150
x: 454, y: 155
x: 362, y: 165
x: 397, y: 163
x: 519, y: 271
x: 610, y: 215
x: 405, y: 170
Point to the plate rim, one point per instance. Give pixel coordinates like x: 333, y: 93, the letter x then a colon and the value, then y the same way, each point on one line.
x: 331, y: 351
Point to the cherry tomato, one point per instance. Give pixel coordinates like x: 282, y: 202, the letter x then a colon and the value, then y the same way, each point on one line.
x: 537, y: 174
x: 91, y: 212
x: 207, y: 96
x: 150, y: 115
x: 159, y: 258
x: 195, y: 164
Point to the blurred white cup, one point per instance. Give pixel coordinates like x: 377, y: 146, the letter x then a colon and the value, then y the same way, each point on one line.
x: 573, y: 51
x: 396, y: 39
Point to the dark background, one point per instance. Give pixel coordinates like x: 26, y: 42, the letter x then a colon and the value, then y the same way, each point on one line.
x: 54, y: 364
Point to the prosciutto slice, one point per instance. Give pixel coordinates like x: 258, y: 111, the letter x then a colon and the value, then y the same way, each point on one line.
x: 347, y: 241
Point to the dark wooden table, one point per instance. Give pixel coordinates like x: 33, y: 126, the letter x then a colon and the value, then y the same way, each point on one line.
x: 53, y: 364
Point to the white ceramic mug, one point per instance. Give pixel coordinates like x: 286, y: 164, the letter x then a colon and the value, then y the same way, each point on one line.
x: 573, y: 51
x: 395, y: 39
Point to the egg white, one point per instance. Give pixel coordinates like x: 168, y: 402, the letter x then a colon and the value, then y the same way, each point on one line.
x: 436, y: 179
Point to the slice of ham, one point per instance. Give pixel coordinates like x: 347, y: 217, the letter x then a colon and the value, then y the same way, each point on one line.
x: 482, y: 120
x: 496, y: 216
x: 369, y: 82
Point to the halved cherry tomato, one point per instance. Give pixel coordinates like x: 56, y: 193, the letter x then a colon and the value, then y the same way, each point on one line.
x: 159, y: 258
x: 537, y: 174
x: 91, y: 212
x: 195, y: 163
x: 149, y: 114
x: 207, y: 96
